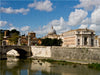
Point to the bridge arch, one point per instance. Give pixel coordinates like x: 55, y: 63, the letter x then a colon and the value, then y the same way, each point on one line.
x: 20, y: 52
x: 23, y: 51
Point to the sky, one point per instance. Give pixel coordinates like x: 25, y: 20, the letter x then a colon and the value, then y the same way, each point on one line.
x: 40, y: 15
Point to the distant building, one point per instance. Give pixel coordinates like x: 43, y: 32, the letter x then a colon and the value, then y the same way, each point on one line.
x: 32, y: 35
x: 23, y: 40
x: 29, y: 40
x: 79, y: 38
x: 52, y: 34
x: 6, y: 37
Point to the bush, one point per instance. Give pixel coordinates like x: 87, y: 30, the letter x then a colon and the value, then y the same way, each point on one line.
x: 94, y: 66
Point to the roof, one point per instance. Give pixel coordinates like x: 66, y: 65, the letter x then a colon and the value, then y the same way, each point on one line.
x: 80, y: 30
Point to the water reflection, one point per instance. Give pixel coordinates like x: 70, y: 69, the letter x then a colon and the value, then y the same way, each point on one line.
x: 37, y: 67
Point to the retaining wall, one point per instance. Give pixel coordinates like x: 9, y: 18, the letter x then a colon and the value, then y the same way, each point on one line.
x: 41, y: 51
x: 83, y: 55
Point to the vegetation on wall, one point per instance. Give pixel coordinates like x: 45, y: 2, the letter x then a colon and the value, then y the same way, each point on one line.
x: 51, y: 42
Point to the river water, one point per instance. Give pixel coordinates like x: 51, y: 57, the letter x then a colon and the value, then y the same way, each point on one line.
x: 36, y: 67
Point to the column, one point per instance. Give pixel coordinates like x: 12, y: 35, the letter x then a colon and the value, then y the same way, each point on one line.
x: 19, y: 41
x: 98, y: 42
x: 81, y: 40
x: 29, y: 41
x: 5, y: 34
x: 89, y: 41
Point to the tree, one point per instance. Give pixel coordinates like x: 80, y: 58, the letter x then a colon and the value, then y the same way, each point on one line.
x: 14, y: 35
x: 14, y: 38
x: 51, y: 42
x: 14, y: 31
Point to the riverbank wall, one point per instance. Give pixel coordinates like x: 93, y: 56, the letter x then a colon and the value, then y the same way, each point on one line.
x: 77, y: 55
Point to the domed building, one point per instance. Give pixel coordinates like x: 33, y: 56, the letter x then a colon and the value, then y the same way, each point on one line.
x: 52, y: 31
x: 52, y: 34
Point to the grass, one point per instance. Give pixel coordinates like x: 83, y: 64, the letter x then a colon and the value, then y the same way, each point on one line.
x: 94, y: 66
x: 62, y: 62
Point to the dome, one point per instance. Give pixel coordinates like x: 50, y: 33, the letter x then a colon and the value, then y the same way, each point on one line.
x: 52, y: 31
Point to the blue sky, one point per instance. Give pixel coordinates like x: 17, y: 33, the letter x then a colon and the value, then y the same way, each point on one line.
x: 40, y: 15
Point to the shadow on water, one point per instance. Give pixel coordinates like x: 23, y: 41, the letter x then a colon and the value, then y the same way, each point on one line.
x: 13, y: 66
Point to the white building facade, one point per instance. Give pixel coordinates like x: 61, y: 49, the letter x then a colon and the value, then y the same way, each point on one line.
x: 79, y: 38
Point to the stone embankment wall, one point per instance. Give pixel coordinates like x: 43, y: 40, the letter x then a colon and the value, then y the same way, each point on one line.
x: 41, y: 51
x: 81, y: 55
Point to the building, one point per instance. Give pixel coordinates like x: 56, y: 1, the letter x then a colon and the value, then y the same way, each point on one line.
x: 32, y: 35
x: 78, y: 38
x: 52, y: 34
x: 6, y: 37
x: 29, y: 40
x: 97, y: 41
x: 23, y: 40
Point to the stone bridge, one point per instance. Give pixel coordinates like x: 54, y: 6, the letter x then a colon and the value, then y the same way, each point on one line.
x: 24, y: 51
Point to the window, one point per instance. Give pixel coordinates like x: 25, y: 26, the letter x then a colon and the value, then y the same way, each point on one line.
x: 85, y: 40
x: 78, y: 41
x: 91, y: 32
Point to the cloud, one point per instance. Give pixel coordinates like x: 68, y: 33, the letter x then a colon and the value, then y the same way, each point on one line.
x: 59, y: 25
x: 76, y: 17
x: 10, y: 24
x: 12, y: 27
x: 95, y: 16
x: 10, y: 10
x: 88, y: 4
x: 42, y: 5
x: 83, y: 26
x: 25, y: 28
x: 95, y: 28
x: 86, y: 21
x: 3, y: 23
x: 93, y: 22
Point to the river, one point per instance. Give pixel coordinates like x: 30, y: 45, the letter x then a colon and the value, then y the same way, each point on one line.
x: 14, y: 66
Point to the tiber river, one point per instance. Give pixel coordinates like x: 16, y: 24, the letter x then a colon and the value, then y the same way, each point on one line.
x: 37, y: 67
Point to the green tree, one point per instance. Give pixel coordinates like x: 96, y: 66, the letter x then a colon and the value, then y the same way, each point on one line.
x: 14, y: 38
x: 51, y: 42
x: 14, y: 35
x: 14, y: 31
